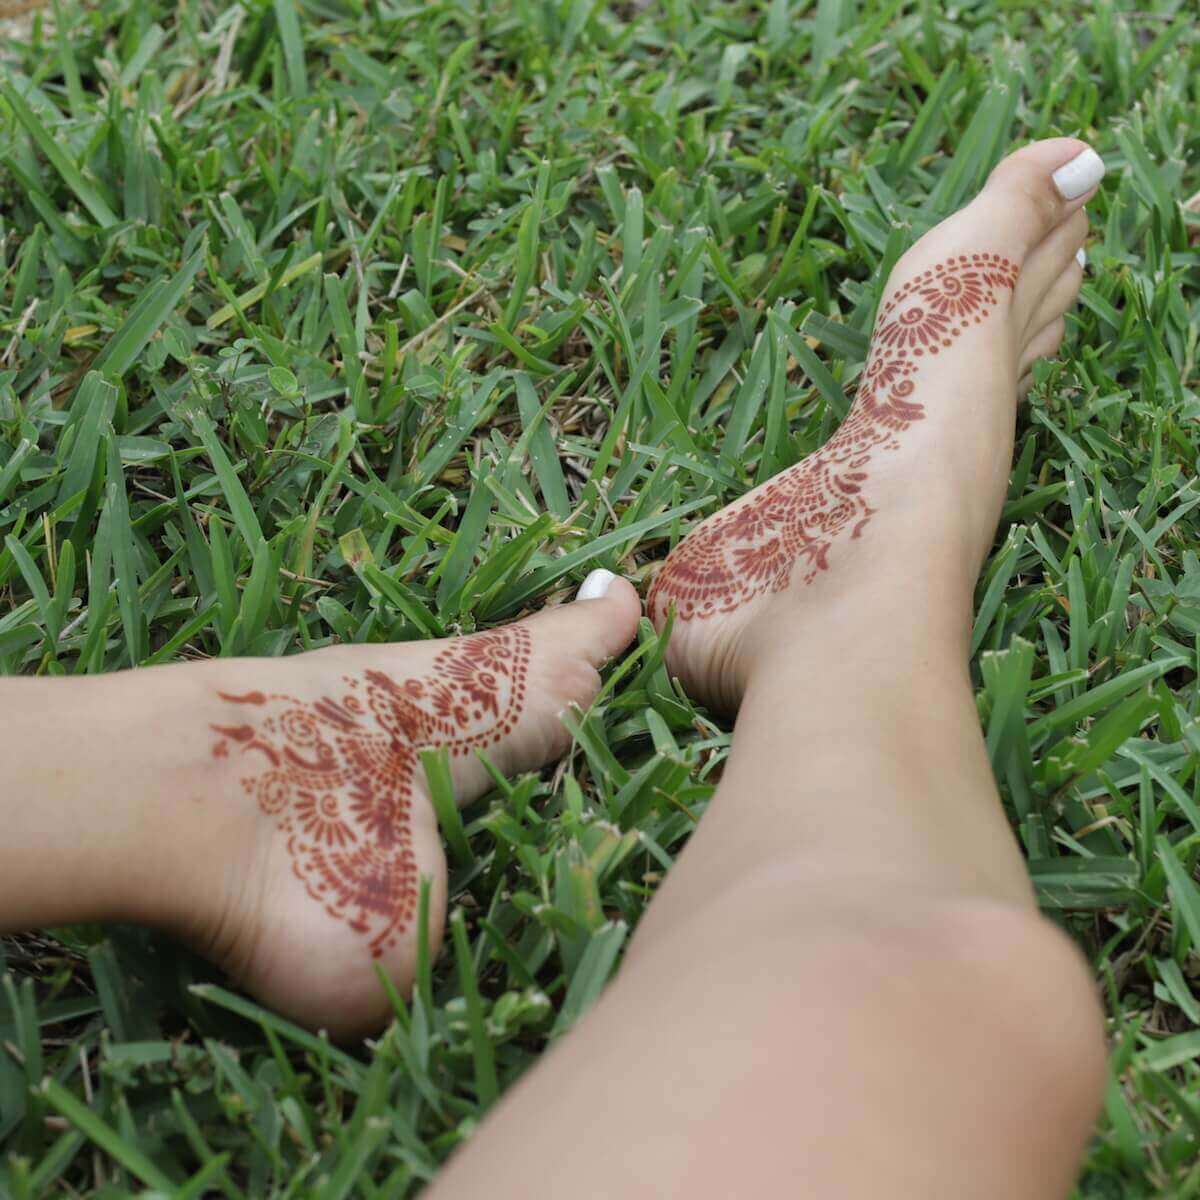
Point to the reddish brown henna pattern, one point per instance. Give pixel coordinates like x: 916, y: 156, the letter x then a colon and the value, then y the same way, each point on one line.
x: 337, y: 773
x: 797, y: 515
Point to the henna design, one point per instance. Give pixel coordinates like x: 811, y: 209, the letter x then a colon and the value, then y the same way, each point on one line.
x: 336, y: 773
x: 796, y: 516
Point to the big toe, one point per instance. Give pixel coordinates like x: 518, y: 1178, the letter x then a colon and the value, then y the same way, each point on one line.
x: 1035, y: 189
x: 565, y: 648
x: 597, y: 625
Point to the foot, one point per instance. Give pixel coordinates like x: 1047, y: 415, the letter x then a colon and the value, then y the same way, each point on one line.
x: 915, y: 477
x: 319, y: 814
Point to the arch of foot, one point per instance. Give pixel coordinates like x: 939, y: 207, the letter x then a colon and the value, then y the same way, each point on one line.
x: 796, y: 517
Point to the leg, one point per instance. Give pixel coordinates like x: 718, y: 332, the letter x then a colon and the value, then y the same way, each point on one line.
x: 843, y: 988
x: 274, y: 812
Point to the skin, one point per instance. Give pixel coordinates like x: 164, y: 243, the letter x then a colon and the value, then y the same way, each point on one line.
x: 842, y: 989
x: 175, y: 829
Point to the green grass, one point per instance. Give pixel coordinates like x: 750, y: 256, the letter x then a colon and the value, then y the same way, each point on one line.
x: 346, y: 319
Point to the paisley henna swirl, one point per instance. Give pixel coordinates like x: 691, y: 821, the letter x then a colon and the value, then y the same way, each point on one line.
x: 797, y: 516
x: 337, y: 774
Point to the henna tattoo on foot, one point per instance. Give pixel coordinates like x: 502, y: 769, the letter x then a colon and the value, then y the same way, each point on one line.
x: 337, y: 774
x: 797, y: 515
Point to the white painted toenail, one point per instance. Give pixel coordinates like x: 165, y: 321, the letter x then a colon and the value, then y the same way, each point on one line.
x: 1081, y: 257
x: 1080, y: 175
x: 595, y: 585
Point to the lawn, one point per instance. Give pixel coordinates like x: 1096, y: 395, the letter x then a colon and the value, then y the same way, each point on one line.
x: 354, y: 320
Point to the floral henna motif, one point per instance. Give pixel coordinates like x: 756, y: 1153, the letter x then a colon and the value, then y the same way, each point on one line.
x: 337, y: 773
x: 796, y: 516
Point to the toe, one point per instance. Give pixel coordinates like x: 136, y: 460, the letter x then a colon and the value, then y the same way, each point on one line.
x: 1037, y: 188
x: 1052, y: 273
x: 567, y: 646
x: 598, y: 624
x: 1058, y: 299
x: 1044, y: 344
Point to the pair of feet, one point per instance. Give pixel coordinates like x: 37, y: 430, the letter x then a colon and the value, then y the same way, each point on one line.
x: 326, y: 826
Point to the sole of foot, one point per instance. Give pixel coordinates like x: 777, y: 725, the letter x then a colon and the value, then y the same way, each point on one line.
x: 911, y: 485
x: 319, y: 827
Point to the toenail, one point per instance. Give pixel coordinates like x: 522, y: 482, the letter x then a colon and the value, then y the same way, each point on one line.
x: 1081, y: 257
x: 1080, y: 175
x: 595, y: 585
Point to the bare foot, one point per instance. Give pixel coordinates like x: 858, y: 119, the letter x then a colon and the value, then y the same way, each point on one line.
x: 321, y: 818
x: 965, y: 314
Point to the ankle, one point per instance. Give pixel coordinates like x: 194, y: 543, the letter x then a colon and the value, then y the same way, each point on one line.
x: 120, y: 763
x: 189, y: 838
